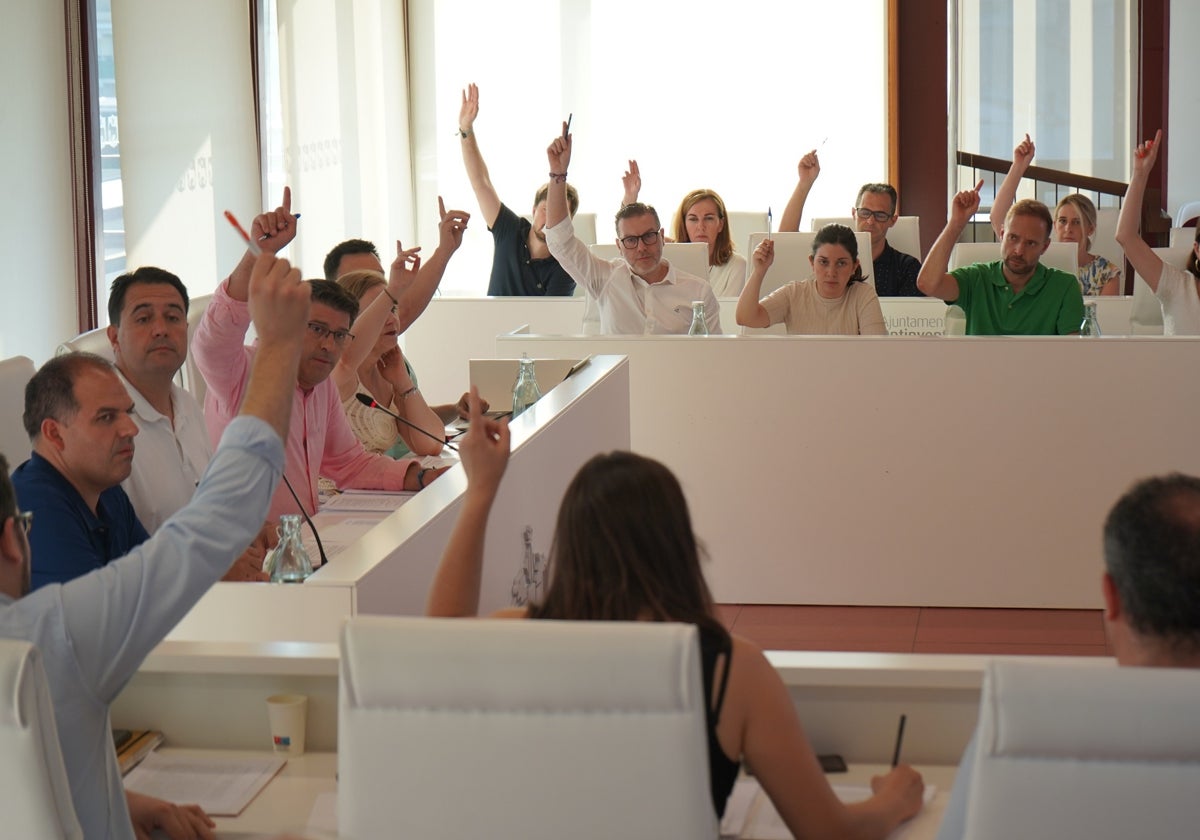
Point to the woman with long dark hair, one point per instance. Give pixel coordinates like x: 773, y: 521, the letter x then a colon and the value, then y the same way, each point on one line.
x: 624, y: 550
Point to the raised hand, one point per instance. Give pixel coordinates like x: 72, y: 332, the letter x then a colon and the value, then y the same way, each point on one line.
x: 451, y: 227
x: 558, y: 153
x: 764, y: 255
x: 484, y: 448
x: 403, y: 270
x: 274, y: 229
x: 1024, y: 152
x: 632, y: 182
x: 964, y: 205
x: 279, y: 302
x: 1145, y: 154
x: 470, y: 108
x: 809, y: 168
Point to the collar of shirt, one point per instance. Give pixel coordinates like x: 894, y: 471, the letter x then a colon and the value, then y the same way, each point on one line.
x: 1036, y: 283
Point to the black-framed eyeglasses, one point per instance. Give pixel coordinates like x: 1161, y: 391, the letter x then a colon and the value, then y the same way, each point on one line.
x: 878, y: 215
x: 25, y: 520
x: 320, y: 331
x: 631, y: 242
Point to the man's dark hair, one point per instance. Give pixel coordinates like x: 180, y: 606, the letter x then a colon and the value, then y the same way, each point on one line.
x: 630, y: 211
x: 335, y: 297
x: 147, y: 274
x: 879, y: 189
x: 1152, y: 554
x: 51, y: 391
x: 572, y: 197
x: 351, y: 246
x: 8, y: 496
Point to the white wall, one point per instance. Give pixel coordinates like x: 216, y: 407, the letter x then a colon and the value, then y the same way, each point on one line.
x: 1183, y: 128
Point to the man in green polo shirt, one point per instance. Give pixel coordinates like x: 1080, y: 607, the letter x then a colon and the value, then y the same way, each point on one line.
x: 1015, y: 296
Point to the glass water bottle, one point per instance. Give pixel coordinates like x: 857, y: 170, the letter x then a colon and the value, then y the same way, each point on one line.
x: 699, y: 325
x: 288, y: 562
x: 525, y: 391
x: 1090, y: 326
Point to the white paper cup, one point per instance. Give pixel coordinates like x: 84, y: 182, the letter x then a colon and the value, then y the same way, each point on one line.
x: 288, y: 714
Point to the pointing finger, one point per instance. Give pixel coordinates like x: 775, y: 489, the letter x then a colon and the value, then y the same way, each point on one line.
x: 287, y: 200
x: 441, y: 207
x: 978, y: 186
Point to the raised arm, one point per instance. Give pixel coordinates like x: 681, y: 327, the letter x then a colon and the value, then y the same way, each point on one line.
x: 477, y: 171
x: 1144, y: 261
x: 370, y: 321
x: 1007, y: 193
x: 751, y: 313
x: 558, y: 155
x: 416, y: 296
x: 632, y: 183
x: 808, y: 169
x: 484, y: 452
x: 935, y: 280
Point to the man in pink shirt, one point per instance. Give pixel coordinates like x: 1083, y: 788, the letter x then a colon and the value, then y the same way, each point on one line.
x: 320, y: 441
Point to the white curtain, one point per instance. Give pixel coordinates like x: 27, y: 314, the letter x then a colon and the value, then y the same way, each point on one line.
x: 344, y: 121
x: 188, y: 153
x: 36, y: 239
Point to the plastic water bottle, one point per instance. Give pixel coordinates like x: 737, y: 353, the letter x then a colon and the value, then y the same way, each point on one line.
x: 699, y: 325
x: 288, y: 562
x: 956, y: 321
x: 1089, y: 327
x: 525, y: 391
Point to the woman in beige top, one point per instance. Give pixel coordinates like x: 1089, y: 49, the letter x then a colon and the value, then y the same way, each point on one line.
x: 374, y: 365
x: 834, y: 301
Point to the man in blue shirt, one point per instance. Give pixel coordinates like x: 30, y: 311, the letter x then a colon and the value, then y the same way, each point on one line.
x: 79, y: 419
x: 95, y: 631
x: 1151, y: 587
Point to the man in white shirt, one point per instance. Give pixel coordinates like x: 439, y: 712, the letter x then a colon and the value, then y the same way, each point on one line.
x: 147, y: 311
x: 94, y: 631
x: 640, y: 293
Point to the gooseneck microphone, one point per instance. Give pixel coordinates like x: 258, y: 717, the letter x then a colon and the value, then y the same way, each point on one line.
x: 371, y: 403
x: 304, y: 513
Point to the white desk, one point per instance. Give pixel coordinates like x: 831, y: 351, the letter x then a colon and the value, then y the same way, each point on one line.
x: 903, y: 471
x: 286, y: 803
x: 388, y: 570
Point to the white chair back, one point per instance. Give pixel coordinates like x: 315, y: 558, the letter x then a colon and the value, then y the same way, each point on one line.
x: 1104, y: 240
x: 743, y: 224
x: 905, y: 235
x: 451, y: 728
x: 1061, y: 255
x: 583, y: 223
x: 1090, y: 751
x: 1182, y: 237
x: 1188, y: 211
x: 15, y: 373
x: 792, y: 250
x: 93, y: 341
x: 35, y: 797
x: 1146, y: 316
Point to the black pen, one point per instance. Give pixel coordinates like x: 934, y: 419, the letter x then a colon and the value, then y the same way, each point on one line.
x: 899, y: 740
x: 567, y: 130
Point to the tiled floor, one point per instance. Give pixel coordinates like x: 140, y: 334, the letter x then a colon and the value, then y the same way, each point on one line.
x: 920, y: 629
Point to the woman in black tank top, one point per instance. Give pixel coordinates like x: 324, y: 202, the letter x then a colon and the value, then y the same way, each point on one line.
x: 624, y: 550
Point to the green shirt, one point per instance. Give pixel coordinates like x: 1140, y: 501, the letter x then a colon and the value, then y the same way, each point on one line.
x: 1050, y: 304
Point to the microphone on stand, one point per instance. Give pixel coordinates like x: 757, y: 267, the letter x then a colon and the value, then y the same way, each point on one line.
x: 371, y: 403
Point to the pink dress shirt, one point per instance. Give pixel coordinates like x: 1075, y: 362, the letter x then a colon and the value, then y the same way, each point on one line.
x: 320, y: 441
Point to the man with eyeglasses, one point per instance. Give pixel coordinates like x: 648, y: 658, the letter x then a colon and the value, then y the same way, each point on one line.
x: 639, y: 293
x: 875, y: 211
x: 321, y: 442
x: 95, y: 630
